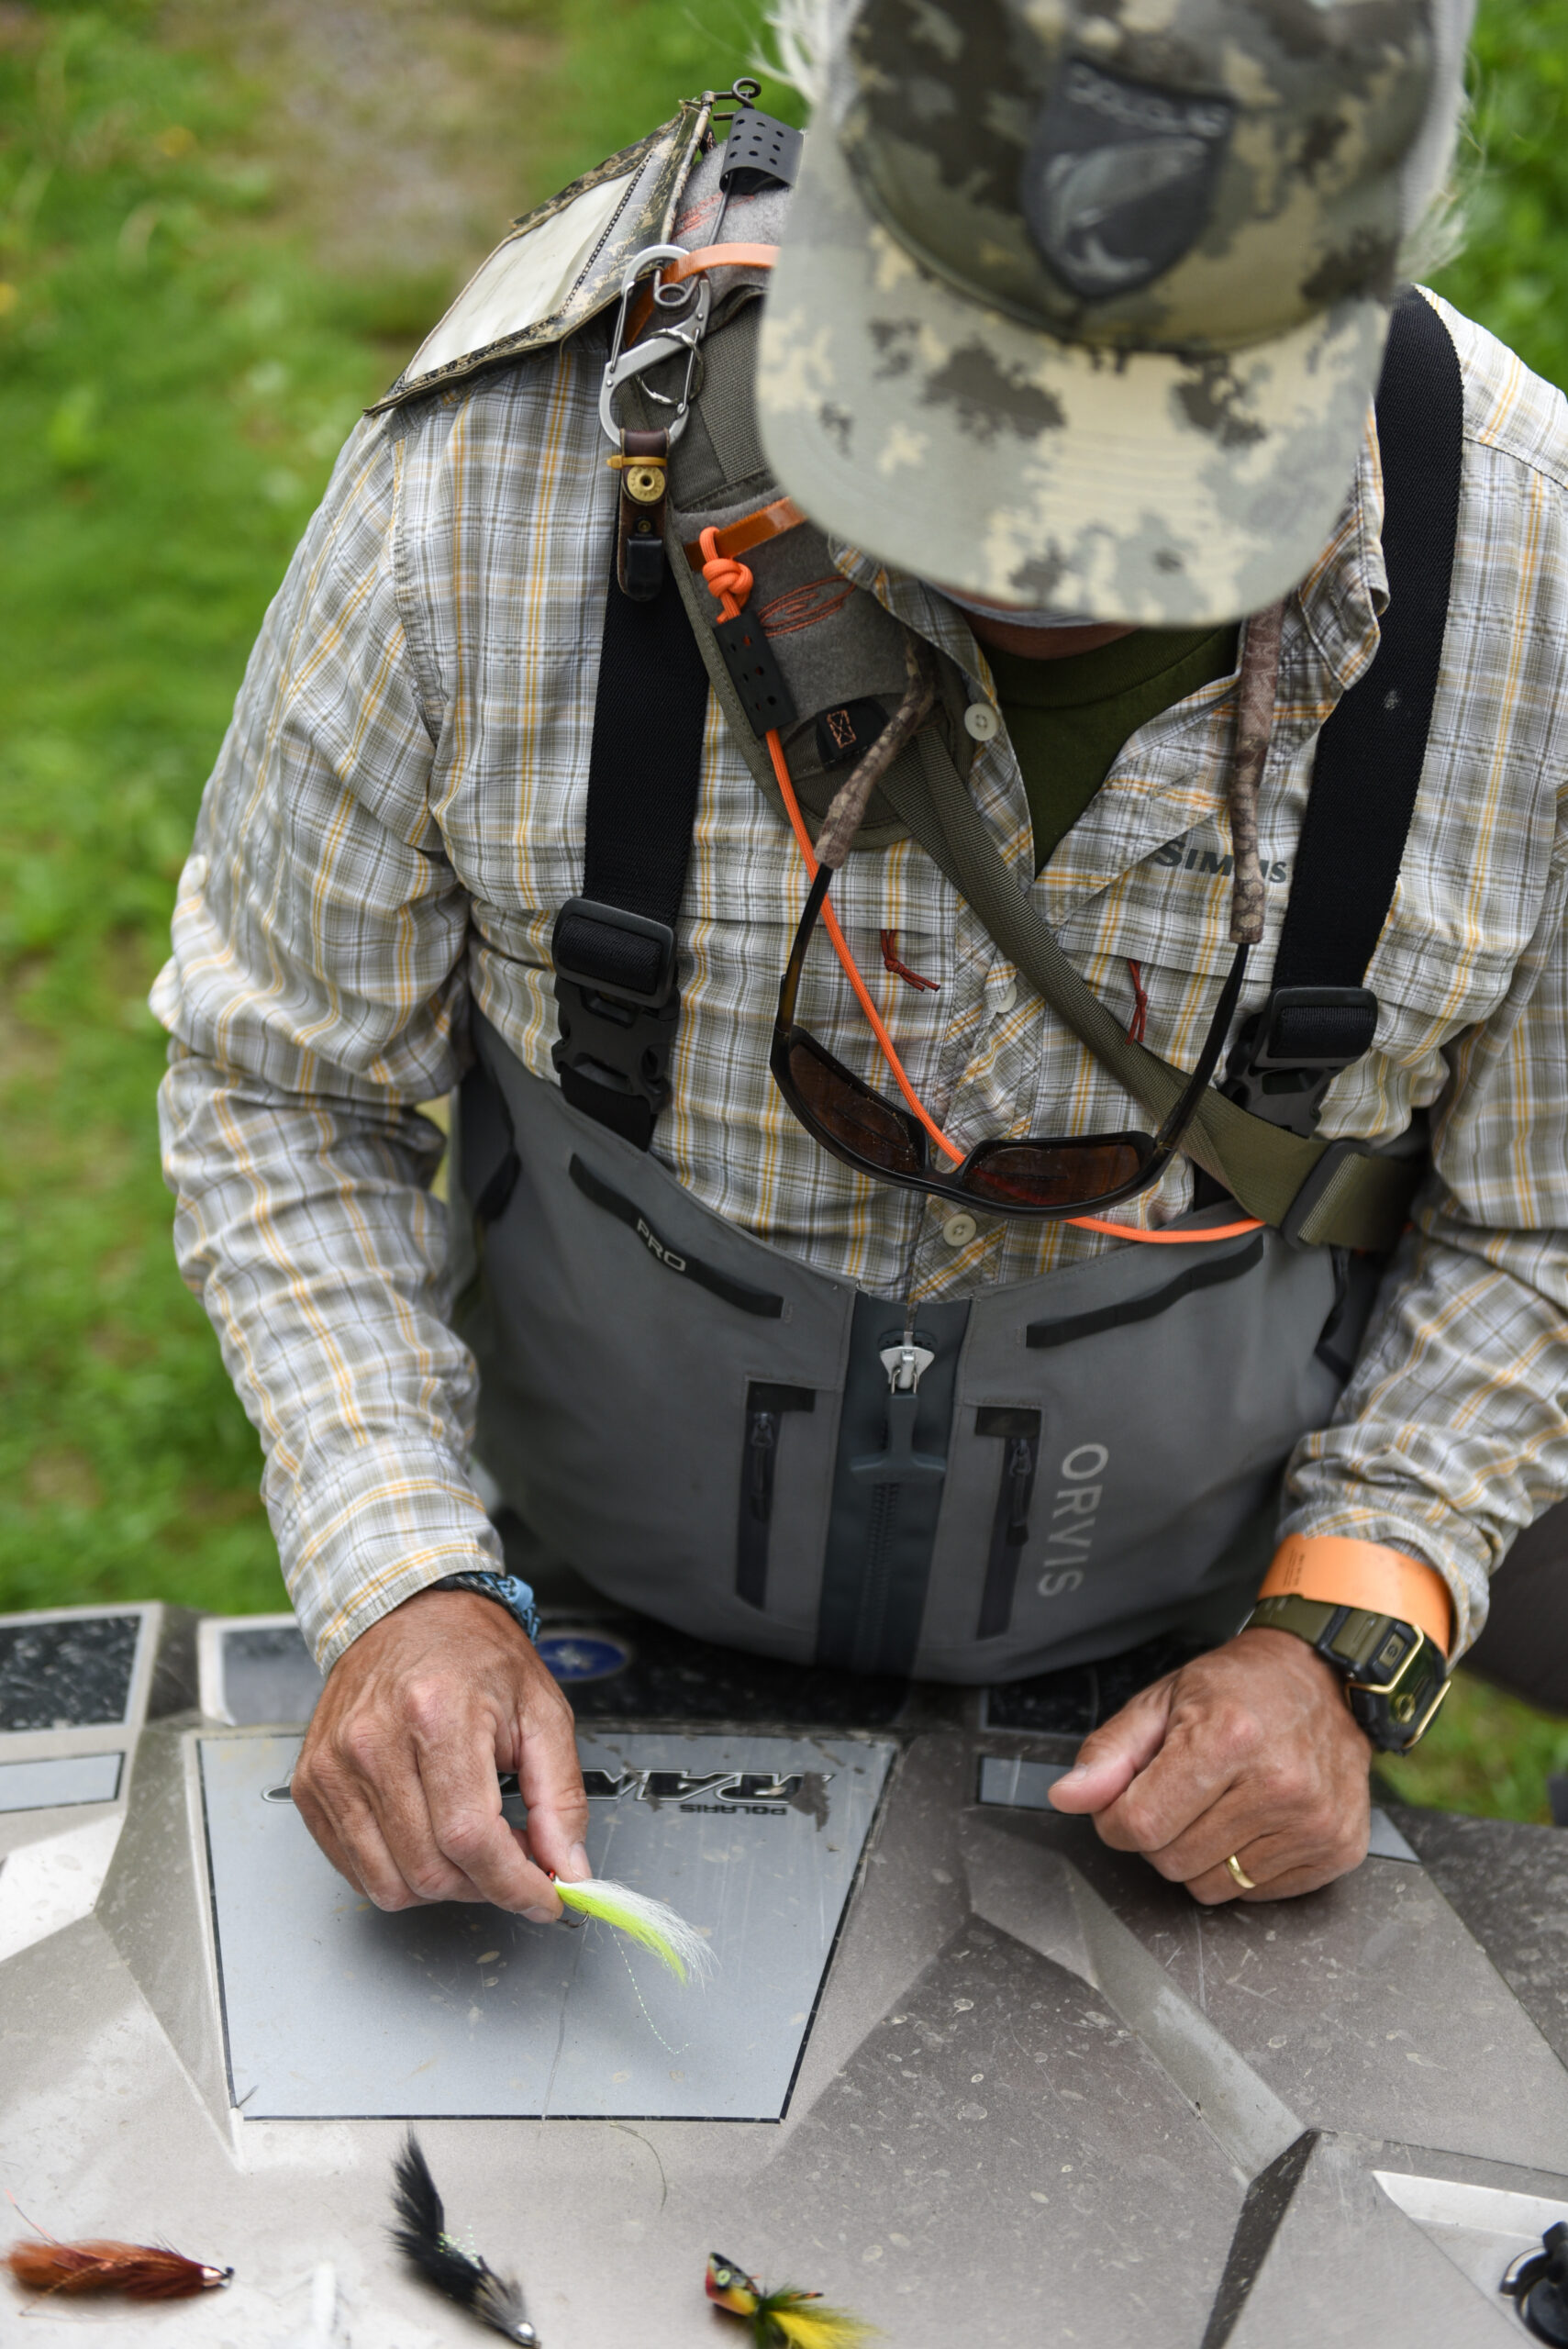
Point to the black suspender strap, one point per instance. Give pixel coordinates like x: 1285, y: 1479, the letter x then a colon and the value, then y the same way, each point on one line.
x: 613, y: 947
x: 1321, y: 1016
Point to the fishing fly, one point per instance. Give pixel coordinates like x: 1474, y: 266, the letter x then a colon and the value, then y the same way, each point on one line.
x: 785, y: 2319
x: 421, y: 2235
x: 141, y: 2271
x: 653, y: 1923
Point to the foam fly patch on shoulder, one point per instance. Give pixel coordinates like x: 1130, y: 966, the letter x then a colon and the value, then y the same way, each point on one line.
x: 560, y: 264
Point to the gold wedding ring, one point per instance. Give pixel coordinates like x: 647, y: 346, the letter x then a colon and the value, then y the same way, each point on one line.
x: 1240, y: 1873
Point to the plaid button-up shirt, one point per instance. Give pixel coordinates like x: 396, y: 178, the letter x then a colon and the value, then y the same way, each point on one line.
x: 398, y: 812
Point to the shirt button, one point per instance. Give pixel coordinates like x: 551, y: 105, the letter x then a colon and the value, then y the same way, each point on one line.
x: 981, y: 723
x: 959, y: 1231
x: 1003, y: 998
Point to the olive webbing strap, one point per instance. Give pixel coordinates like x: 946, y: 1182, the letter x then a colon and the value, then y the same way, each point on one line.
x: 1363, y: 1198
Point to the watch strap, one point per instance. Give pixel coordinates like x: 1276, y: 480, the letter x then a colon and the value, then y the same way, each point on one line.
x: 1366, y: 1575
x: 1395, y: 1676
x: 509, y: 1591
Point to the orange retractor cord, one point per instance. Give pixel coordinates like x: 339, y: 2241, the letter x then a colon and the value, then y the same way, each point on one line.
x: 730, y: 582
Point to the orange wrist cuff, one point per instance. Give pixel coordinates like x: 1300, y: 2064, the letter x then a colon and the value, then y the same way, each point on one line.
x: 1344, y: 1573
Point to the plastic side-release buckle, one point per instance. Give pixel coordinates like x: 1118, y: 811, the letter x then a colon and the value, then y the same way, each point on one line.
x: 1307, y: 1200
x: 1289, y: 1053
x: 615, y: 984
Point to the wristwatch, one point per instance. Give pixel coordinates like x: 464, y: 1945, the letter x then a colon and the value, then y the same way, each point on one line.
x: 509, y: 1591
x: 1395, y: 1676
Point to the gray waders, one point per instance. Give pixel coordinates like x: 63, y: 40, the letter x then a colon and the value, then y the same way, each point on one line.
x: 718, y: 1436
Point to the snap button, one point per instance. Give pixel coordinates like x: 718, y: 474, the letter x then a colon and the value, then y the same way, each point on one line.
x: 1003, y: 998
x: 959, y: 1230
x: 981, y: 723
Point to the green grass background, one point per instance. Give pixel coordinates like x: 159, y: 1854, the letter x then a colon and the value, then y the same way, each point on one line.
x: 177, y: 369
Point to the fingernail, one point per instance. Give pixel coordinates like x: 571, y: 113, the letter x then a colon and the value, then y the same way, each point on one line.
x: 1079, y: 1770
x: 577, y: 1868
x: 540, y: 1916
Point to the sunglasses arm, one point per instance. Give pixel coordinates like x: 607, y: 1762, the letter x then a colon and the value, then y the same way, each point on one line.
x: 789, y: 986
x: 1180, y: 1116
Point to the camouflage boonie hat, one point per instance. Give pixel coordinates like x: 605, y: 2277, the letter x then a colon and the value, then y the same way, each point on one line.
x: 1081, y: 302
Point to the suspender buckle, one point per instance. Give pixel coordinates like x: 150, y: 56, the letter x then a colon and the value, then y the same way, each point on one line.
x: 615, y: 984
x: 1289, y: 1053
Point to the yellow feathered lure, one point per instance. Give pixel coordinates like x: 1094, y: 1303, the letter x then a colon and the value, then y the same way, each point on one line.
x: 785, y: 2319
x: 643, y: 1919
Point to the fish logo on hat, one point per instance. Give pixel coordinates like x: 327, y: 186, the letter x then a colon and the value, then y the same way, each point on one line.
x: 1119, y: 179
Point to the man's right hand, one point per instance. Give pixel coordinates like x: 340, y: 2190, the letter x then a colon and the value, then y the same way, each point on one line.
x: 398, y: 1777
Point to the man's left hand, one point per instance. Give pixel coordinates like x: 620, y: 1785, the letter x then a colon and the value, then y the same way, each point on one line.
x: 1250, y: 1750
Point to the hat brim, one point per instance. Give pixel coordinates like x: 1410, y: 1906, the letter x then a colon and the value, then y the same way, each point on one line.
x: 959, y: 444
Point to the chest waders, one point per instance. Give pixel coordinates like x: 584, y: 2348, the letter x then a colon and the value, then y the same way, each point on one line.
x: 720, y: 1436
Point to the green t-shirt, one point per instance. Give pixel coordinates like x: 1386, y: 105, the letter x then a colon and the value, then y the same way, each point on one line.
x: 1069, y: 720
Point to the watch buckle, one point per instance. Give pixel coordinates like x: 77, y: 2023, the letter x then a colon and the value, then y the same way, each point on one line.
x: 1403, y: 1702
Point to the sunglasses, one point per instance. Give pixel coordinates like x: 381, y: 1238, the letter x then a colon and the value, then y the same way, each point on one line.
x: 1067, y: 1176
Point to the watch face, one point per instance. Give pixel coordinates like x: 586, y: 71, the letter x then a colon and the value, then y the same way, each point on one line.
x: 1394, y: 1648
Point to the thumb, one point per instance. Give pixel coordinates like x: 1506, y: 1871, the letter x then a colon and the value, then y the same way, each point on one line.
x: 1110, y: 1758
x: 549, y: 1779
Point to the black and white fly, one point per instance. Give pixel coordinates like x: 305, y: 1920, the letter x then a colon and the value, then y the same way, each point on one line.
x: 421, y: 2235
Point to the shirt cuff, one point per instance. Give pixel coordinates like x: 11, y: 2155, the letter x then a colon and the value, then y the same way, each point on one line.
x: 372, y: 1525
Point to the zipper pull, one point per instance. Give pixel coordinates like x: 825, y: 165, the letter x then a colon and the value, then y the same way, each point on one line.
x: 905, y: 1364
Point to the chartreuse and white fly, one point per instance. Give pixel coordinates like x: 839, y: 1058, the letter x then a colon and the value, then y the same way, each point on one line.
x: 643, y: 1919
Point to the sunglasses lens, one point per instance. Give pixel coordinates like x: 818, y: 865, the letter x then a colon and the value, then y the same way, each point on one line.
x: 1050, y: 1174
x: 860, y: 1121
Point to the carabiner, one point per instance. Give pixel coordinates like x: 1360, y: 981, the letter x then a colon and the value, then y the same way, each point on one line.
x: 685, y: 334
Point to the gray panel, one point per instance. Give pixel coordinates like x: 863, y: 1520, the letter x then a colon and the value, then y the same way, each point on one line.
x: 1386, y: 1842
x: 1019, y: 1785
x: 1351, y: 2003
x: 1344, y: 2265
x: 67, y: 1778
x: 268, y: 1673
x: 1509, y: 1884
x: 335, y: 2009
x: 1006, y: 2164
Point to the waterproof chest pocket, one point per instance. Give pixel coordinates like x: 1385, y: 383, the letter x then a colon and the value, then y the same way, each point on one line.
x: 660, y: 1394
x: 769, y: 1407
x: 1117, y: 1438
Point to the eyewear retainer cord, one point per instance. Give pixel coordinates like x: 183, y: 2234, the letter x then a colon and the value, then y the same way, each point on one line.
x: 730, y: 582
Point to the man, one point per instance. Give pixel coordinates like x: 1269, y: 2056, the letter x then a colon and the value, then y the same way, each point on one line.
x: 1078, y: 313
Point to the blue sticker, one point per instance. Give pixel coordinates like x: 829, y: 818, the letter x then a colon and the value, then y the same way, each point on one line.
x: 582, y: 1655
